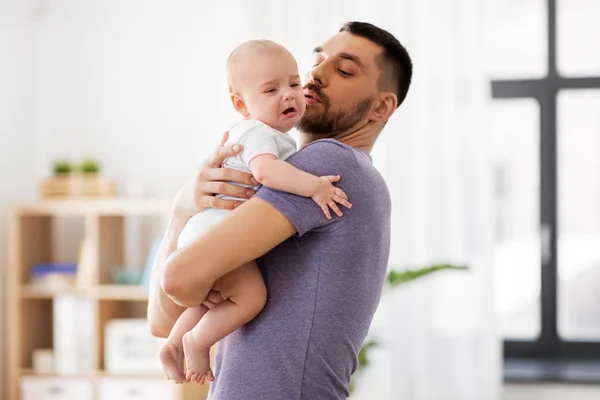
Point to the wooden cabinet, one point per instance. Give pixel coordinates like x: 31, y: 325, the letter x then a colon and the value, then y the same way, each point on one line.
x: 32, y: 239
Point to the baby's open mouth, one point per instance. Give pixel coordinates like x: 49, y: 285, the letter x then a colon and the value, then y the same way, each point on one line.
x: 289, y: 110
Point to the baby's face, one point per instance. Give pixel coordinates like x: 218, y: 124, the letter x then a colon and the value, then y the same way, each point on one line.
x: 272, y: 91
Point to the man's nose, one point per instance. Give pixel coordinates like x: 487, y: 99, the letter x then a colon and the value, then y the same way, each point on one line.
x: 317, y: 75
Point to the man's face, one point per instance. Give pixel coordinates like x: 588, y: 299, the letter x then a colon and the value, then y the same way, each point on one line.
x: 342, y: 86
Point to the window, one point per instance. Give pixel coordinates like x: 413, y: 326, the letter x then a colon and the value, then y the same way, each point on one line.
x: 544, y: 59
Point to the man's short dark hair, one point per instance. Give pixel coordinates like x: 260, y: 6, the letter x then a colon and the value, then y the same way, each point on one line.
x: 395, y: 63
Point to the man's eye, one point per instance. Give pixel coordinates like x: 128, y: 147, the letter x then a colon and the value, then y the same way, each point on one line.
x: 341, y: 71
x: 315, y: 66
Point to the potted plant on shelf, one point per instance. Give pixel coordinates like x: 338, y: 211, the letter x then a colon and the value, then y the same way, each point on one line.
x: 82, y: 180
x: 89, y: 167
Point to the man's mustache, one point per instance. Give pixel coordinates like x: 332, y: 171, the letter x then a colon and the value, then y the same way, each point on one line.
x: 319, y: 92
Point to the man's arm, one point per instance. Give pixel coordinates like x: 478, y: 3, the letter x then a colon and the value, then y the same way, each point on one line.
x: 162, y: 311
x: 251, y: 230
x: 192, y: 198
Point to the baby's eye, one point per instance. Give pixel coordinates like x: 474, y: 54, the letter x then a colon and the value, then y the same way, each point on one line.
x: 295, y: 84
x: 272, y: 90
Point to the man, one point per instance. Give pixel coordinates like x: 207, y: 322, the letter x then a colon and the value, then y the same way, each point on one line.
x: 324, y: 277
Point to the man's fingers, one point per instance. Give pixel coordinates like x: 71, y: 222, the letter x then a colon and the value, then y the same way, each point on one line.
x: 224, y: 139
x: 216, y: 202
x: 208, y: 304
x: 222, y: 153
x: 228, y: 174
x: 217, y: 187
x: 215, y: 297
x: 335, y: 208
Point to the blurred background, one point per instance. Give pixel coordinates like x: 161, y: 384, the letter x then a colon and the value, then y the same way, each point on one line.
x: 490, y: 163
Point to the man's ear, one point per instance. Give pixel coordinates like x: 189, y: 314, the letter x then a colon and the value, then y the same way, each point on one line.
x: 239, y: 105
x: 385, y: 105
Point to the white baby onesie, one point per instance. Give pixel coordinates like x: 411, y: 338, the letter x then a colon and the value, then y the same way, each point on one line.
x: 257, y: 138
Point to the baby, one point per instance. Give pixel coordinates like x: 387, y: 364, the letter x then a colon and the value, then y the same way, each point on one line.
x: 265, y: 89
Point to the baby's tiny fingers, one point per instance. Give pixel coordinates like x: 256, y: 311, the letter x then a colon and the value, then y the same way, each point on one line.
x: 333, y: 178
x: 343, y: 202
x: 335, y: 208
x: 326, y: 211
x: 340, y: 193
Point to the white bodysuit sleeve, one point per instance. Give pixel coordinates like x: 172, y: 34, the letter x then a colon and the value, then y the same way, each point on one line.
x: 257, y: 140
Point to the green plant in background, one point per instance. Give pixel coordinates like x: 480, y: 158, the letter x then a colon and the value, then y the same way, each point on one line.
x: 62, y: 167
x: 89, y: 166
x: 394, y: 279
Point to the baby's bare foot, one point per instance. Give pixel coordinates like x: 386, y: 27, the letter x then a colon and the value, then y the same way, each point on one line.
x: 172, y: 359
x: 197, y: 360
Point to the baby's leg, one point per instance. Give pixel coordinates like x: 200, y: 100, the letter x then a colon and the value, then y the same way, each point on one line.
x: 245, y: 295
x: 171, y: 355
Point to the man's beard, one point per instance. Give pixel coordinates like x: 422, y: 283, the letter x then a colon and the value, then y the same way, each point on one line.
x: 331, y: 123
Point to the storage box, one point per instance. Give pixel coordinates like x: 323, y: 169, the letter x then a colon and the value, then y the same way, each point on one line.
x: 74, y: 321
x: 34, y: 388
x: 135, y: 389
x: 130, y: 347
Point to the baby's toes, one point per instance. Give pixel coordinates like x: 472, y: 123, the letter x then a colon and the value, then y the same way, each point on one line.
x: 210, y: 376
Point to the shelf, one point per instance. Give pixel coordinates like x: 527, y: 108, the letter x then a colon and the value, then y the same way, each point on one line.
x: 99, y: 234
x: 31, y: 372
x: 150, y: 375
x: 100, y: 292
x: 96, y: 206
x: 93, y: 374
x: 120, y: 292
x: 36, y: 292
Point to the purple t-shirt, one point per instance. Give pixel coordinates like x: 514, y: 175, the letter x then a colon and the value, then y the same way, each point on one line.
x: 323, y: 285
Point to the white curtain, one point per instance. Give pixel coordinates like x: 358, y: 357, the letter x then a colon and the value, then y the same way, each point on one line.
x: 165, y: 61
x: 439, y: 337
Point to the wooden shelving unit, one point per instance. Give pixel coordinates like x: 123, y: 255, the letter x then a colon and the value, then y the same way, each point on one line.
x: 30, y: 314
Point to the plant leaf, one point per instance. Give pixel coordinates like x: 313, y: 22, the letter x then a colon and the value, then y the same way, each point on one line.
x: 395, y: 278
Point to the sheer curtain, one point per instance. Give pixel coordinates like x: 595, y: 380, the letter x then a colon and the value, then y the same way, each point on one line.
x: 439, y: 337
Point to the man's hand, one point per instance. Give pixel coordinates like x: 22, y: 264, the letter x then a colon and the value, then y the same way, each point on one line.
x: 328, y: 195
x: 212, y: 179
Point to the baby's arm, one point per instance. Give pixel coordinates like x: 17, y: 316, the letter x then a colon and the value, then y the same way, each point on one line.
x: 281, y: 175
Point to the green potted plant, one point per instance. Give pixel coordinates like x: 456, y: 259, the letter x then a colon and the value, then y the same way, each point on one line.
x: 62, y: 168
x: 89, y: 167
x: 395, y: 279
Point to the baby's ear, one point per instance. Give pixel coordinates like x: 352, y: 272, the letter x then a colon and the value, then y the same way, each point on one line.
x: 239, y: 105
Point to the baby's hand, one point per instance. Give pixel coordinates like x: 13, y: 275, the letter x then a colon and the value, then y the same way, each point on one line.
x: 328, y: 195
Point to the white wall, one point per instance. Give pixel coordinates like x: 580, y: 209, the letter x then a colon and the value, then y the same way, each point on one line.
x: 139, y: 85
x: 16, y: 127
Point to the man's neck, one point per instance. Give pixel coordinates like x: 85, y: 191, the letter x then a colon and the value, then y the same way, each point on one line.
x: 361, y: 138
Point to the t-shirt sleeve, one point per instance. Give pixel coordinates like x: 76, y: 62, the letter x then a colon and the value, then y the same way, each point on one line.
x: 323, y: 157
x: 257, y: 140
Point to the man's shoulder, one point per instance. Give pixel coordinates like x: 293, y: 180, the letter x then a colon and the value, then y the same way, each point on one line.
x: 328, y: 144
x: 326, y: 150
